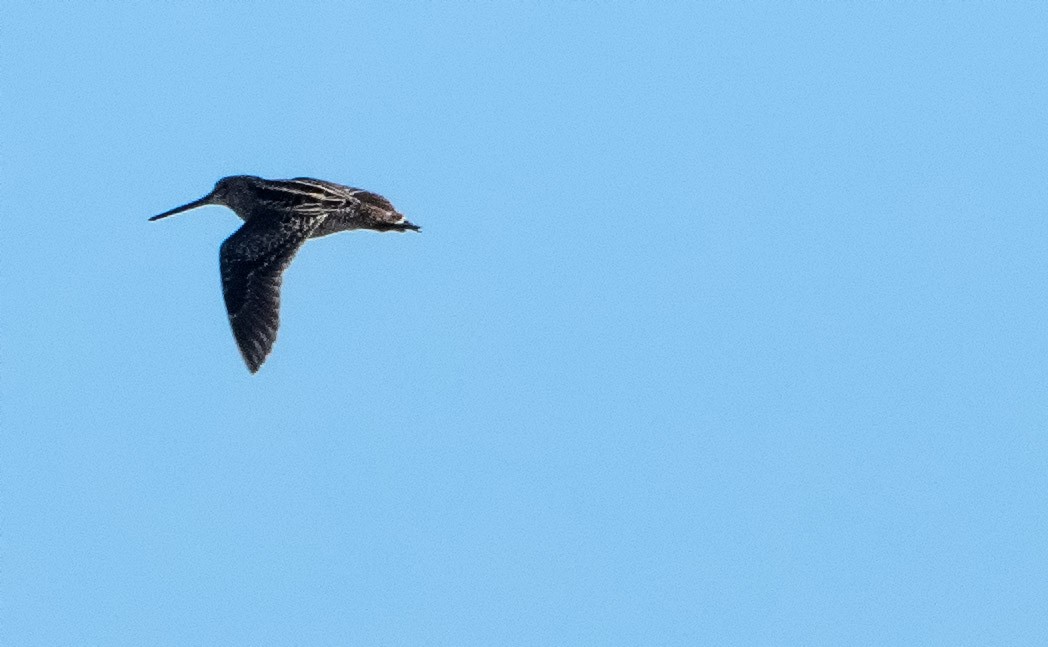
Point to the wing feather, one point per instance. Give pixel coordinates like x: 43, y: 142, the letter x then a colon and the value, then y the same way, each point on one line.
x: 253, y: 261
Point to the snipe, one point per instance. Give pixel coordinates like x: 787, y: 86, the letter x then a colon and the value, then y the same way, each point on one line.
x: 279, y: 216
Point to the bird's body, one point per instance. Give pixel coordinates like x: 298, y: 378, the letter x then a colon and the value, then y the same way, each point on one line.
x: 279, y: 216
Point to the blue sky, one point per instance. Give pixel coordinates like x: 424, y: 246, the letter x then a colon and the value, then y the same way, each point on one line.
x: 726, y: 326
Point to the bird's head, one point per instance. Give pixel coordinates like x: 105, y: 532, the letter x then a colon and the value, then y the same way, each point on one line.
x: 228, y: 192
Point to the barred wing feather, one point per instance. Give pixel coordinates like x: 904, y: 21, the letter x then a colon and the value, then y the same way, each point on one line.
x: 253, y: 261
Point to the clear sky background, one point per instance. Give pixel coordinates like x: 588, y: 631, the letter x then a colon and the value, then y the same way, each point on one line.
x: 727, y: 326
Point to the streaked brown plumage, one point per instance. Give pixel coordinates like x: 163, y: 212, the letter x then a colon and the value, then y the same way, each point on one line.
x: 279, y: 216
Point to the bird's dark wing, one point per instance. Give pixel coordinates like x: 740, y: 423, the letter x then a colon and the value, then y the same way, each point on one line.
x: 329, y: 189
x: 348, y: 194
x: 253, y: 260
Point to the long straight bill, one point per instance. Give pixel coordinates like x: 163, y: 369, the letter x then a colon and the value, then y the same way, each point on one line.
x: 186, y: 207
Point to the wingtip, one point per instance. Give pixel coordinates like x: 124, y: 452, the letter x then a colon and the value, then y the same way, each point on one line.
x: 253, y: 365
x: 252, y: 362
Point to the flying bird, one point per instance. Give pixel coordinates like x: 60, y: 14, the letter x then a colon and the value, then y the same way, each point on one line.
x: 279, y: 216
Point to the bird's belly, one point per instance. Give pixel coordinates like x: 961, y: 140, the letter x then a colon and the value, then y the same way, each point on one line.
x: 332, y: 226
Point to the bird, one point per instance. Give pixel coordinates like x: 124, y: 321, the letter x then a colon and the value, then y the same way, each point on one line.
x: 279, y: 217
